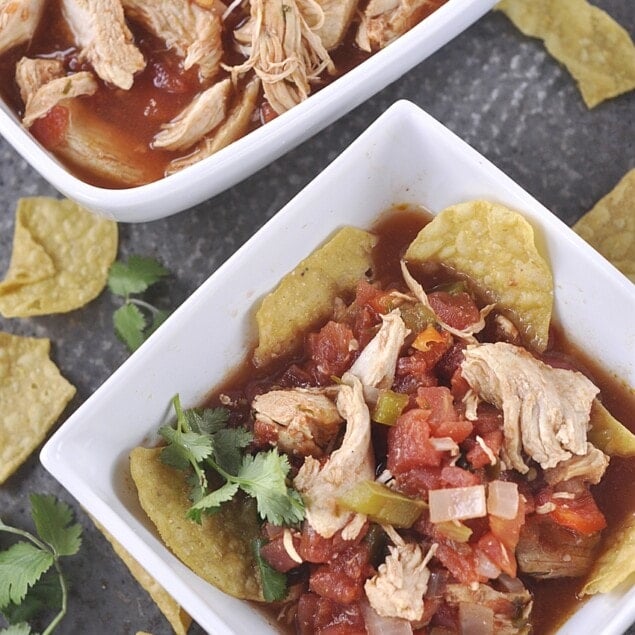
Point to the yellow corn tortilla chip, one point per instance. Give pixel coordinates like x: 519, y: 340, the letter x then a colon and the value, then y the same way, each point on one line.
x: 305, y: 296
x: 608, y: 434
x: 29, y: 260
x: 178, y: 618
x: 594, y: 48
x: 80, y: 246
x: 617, y: 562
x: 494, y: 247
x: 219, y: 549
x: 33, y: 395
x: 610, y: 226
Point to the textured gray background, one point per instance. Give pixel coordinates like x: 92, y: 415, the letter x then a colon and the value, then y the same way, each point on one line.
x: 495, y: 88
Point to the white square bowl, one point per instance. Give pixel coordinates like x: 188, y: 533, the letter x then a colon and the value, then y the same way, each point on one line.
x: 404, y: 157
x: 242, y: 158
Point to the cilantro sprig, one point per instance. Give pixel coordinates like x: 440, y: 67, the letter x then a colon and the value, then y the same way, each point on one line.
x: 137, y: 319
x: 31, y: 577
x: 201, y: 441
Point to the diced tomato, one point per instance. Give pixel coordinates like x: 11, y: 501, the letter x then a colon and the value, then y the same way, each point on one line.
x: 452, y: 476
x: 444, y: 419
x: 267, y: 113
x: 50, y: 130
x: 409, y: 443
x: 378, y: 300
x: 459, y: 559
x: 458, y: 385
x: 275, y: 553
x: 419, y: 481
x: 315, y: 548
x: 476, y: 455
x: 498, y: 553
x: 451, y: 361
x: 320, y: 616
x: 330, y: 350
x: 342, y: 579
x: 508, y: 530
x: 580, y: 514
x: 456, y: 309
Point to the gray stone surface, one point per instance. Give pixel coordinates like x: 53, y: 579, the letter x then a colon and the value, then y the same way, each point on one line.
x: 495, y: 88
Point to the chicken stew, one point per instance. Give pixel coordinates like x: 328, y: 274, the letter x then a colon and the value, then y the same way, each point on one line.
x: 125, y: 92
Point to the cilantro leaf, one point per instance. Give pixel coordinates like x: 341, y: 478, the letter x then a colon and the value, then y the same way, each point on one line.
x: 263, y: 476
x: 274, y: 583
x: 53, y: 521
x: 206, y: 420
x: 129, y: 323
x: 214, y: 499
x: 192, y: 446
x: 45, y: 594
x: 135, y: 276
x: 16, y: 629
x: 21, y: 566
x: 228, y: 444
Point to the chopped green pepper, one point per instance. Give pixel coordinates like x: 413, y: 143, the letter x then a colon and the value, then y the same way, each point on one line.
x: 382, y: 505
x: 454, y: 530
x: 389, y: 406
x: 416, y: 316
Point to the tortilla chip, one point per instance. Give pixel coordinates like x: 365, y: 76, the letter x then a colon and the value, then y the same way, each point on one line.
x: 595, y: 49
x: 304, y: 297
x: 29, y: 261
x: 494, y: 247
x: 608, y: 434
x: 617, y: 563
x: 33, y: 395
x: 610, y: 226
x: 178, y: 618
x: 219, y: 549
x: 57, y: 234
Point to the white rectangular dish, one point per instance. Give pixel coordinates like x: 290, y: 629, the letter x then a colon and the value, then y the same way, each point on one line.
x: 404, y: 157
x: 242, y: 158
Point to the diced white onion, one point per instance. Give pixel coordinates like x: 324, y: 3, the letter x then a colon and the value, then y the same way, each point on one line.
x: 445, y: 444
x: 502, y: 499
x: 475, y: 619
x: 457, y: 503
x: 485, y: 567
x: 379, y: 625
x: 289, y: 547
x: 511, y: 585
x: 437, y: 584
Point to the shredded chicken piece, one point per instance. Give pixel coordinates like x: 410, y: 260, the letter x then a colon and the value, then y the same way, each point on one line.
x: 385, y: 20
x: 511, y: 609
x: 351, y: 463
x: 32, y: 74
x: 50, y: 92
x: 192, y: 31
x: 338, y: 15
x: 545, y: 410
x: 100, y: 29
x: 398, y: 588
x: 590, y: 467
x: 286, y: 52
x: 233, y: 127
x: 18, y: 21
x: 206, y: 111
x: 466, y: 334
x: 302, y: 421
x: 375, y: 367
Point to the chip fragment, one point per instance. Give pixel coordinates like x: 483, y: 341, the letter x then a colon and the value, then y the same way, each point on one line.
x: 494, y: 247
x: 305, y: 296
x: 610, y: 226
x: 33, y: 395
x: 594, y: 48
x: 219, y: 549
x: 60, y: 258
x: 175, y: 615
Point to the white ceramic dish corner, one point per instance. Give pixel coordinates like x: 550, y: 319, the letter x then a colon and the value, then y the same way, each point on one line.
x: 247, y: 155
x: 405, y: 156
